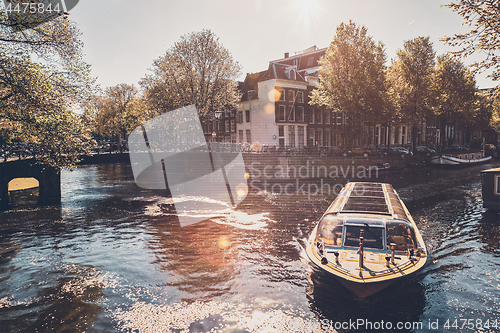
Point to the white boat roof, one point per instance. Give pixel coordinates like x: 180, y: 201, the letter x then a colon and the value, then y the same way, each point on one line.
x: 492, y: 170
x: 368, y: 198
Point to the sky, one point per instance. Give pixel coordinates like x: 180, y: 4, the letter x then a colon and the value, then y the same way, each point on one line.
x: 122, y: 38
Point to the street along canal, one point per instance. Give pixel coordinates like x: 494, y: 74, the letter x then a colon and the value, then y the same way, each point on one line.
x: 112, y: 258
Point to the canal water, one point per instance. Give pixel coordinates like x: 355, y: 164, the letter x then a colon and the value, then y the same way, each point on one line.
x: 113, y: 258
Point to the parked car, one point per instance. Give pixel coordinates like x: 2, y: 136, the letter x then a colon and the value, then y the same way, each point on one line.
x: 336, y: 151
x: 378, y: 152
x: 490, y: 150
x: 425, y: 151
x: 359, y: 152
x: 400, y: 151
x: 490, y: 147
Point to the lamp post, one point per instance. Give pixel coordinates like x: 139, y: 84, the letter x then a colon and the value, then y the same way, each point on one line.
x: 218, y: 117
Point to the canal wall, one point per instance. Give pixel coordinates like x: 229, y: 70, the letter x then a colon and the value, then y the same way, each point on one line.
x: 104, y: 158
x: 309, y: 173
x: 316, y: 166
x: 326, y: 175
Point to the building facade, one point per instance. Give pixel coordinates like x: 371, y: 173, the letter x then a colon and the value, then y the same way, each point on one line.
x: 275, y: 111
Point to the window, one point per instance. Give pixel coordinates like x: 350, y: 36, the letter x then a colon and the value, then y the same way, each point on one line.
x: 310, y: 62
x: 319, y: 116
x: 339, y: 118
x: 319, y: 137
x: 249, y: 136
x: 372, y: 237
x: 327, y: 117
x: 330, y: 230
x: 247, y: 115
x: 282, y: 95
x: 326, y: 137
x: 310, y: 136
x: 281, y: 135
x: 240, y: 135
x: 311, y: 119
x: 497, y: 184
x: 300, y: 114
x: 291, y: 136
x: 226, y: 114
x: 239, y: 117
x: 281, y: 113
x: 401, y: 234
x: 233, y: 126
x: 300, y: 97
x: 233, y: 112
x: 251, y: 94
x: 300, y: 132
x: 226, y: 127
x: 291, y: 113
x: 291, y: 95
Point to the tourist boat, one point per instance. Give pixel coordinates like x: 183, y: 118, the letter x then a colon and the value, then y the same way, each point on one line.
x: 367, y: 239
x: 491, y: 188
x: 460, y: 158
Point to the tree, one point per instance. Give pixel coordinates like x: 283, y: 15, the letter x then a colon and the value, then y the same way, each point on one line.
x: 351, y: 75
x: 196, y: 70
x: 111, y: 108
x: 56, y: 46
x: 483, y: 18
x: 42, y: 78
x: 119, y: 111
x: 455, y: 91
x: 411, y: 81
x: 136, y: 114
x: 35, y: 113
x: 495, y: 117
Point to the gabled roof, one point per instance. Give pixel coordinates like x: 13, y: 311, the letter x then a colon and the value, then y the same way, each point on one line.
x: 251, y: 81
x: 303, y: 60
x: 303, y: 64
x: 278, y: 71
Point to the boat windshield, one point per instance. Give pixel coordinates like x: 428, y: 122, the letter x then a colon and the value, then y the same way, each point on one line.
x: 402, y: 234
x: 330, y: 230
x: 372, y: 236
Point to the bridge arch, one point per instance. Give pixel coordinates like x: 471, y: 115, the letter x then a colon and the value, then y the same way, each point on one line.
x: 49, y: 180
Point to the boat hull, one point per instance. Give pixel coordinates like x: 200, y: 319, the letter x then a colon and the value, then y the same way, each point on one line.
x: 367, y: 285
x: 365, y: 290
x: 451, y: 160
x: 361, y: 290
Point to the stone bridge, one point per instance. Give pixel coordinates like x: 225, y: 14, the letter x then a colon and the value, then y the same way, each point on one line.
x: 49, y: 180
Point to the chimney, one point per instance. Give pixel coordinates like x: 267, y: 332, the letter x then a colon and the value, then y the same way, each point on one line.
x: 287, y: 55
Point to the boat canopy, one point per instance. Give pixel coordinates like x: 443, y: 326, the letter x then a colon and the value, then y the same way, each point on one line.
x: 371, y: 198
x: 344, y: 231
x: 373, y: 208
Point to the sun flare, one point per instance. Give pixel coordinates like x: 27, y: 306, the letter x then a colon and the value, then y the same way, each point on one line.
x: 308, y: 12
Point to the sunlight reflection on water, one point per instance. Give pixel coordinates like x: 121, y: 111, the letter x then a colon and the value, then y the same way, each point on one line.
x: 114, y: 258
